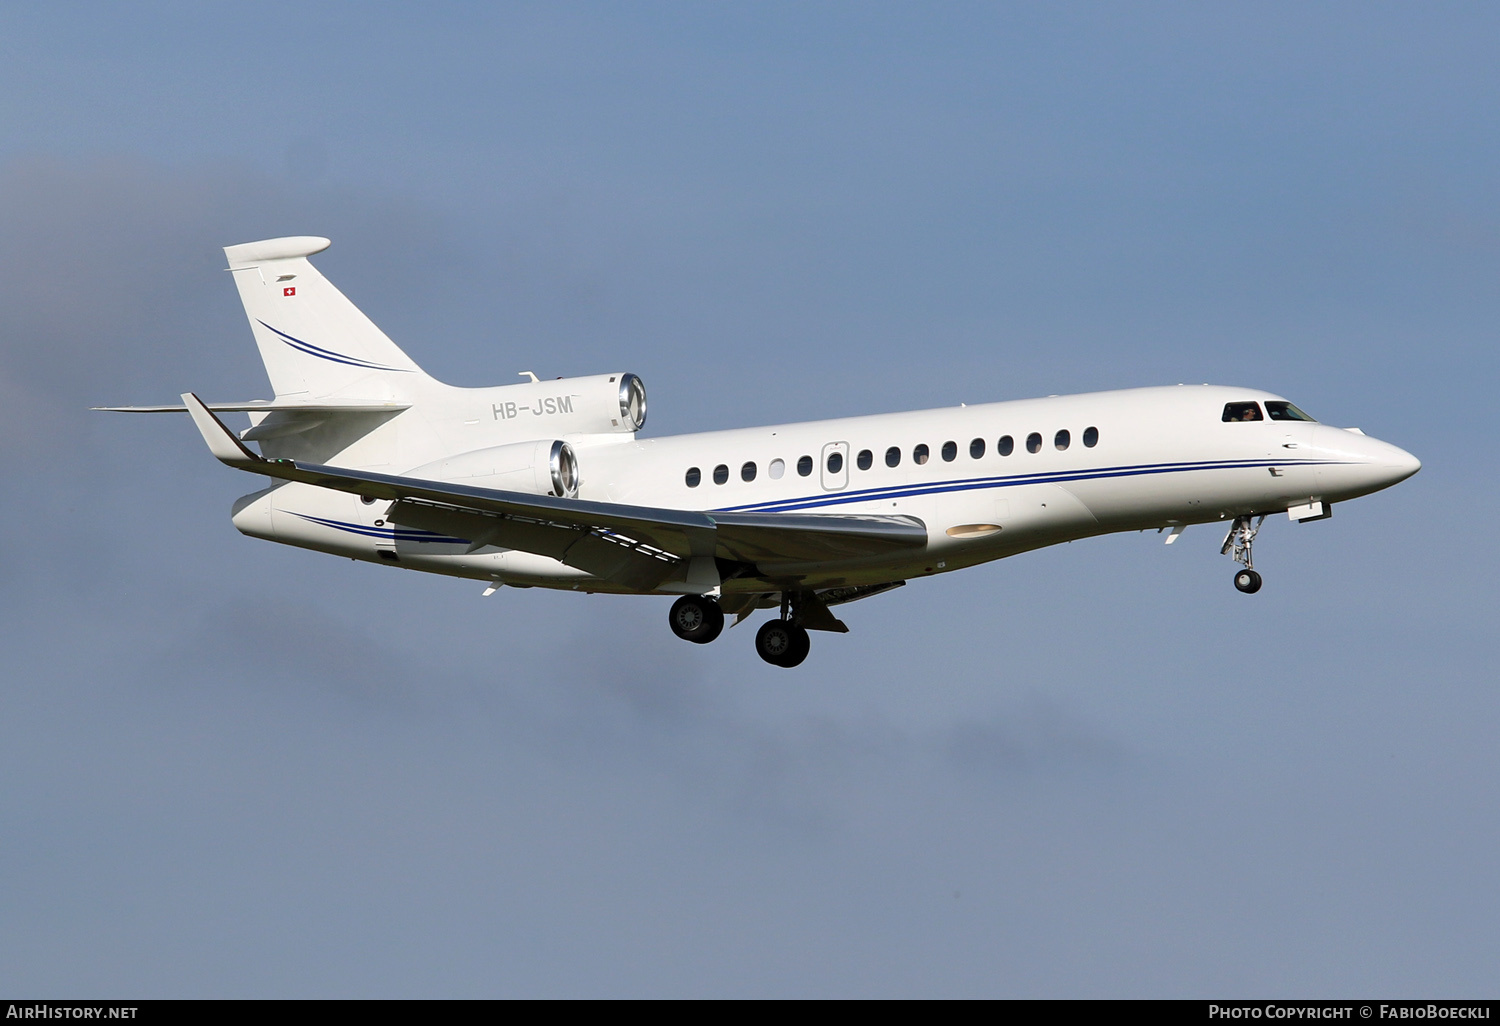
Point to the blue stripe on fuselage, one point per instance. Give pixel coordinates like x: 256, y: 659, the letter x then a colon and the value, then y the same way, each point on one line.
x: 981, y: 483
x: 411, y: 534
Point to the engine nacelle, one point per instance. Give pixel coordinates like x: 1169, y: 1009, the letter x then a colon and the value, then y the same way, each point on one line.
x: 543, y: 467
x: 595, y: 405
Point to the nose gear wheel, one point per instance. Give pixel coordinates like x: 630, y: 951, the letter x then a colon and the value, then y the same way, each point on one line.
x: 1238, y: 543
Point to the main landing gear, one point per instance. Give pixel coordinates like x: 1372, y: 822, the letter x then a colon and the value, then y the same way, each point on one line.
x: 696, y: 618
x: 780, y: 642
x: 1237, y: 543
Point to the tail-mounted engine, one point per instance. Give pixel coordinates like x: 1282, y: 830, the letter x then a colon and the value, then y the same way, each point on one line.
x: 598, y: 404
x: 543, y: 467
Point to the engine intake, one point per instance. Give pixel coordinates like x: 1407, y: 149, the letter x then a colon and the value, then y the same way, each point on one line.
x: 632, y: 401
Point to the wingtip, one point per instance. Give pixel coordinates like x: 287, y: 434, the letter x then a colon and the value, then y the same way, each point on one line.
x: 221, y: 441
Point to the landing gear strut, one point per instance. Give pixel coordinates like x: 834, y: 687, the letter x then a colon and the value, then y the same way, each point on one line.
x: 784, y: 642
x: 696, y: 618
x: 1237, y: 543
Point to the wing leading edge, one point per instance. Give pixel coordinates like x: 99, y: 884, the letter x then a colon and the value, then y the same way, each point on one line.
x: 635, y: 546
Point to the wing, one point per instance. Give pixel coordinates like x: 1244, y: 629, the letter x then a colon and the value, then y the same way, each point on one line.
x: 635, y: 546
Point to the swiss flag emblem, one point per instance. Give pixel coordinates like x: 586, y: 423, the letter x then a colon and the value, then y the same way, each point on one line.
x: 290, y: 290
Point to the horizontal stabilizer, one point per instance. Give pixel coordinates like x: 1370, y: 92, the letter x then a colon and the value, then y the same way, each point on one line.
x: 269, y: 406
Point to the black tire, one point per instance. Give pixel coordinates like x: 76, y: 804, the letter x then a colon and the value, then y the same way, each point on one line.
x: 696, y: 618
x: 802, y: 644
x: 1247, y: 581
x: 775, y: 640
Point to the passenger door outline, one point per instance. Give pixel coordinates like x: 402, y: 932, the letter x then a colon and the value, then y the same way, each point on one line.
x: 835, y: 482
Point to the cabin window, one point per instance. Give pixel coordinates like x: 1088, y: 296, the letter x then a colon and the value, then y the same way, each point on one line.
x: 976, y: 449
x: 893, y: 457
x: 1235, y: 412
x: 864, y: 459
x: 835, y: 462
x: 694, y: 476
x: 804, y: 466
x: 747, y: 472
x: 1005, y: 446
x: 721, y: 474
x: 1090, y: 436
x: 950, y: 452
x: 1286, y: 411
x: 1062, y: 439
x: 776, y: 469
x: 1034, y: 442
x: 919, y: 455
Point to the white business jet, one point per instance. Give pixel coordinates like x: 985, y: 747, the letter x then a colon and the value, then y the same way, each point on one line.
x: 547, y: 484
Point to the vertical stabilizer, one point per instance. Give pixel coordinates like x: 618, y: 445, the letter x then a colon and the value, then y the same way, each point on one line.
x: 314, y: 342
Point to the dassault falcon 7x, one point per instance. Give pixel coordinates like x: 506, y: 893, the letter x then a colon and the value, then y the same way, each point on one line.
x: 548, y: 484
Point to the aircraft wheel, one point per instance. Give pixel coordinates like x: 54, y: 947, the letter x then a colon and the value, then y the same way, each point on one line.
x: 775, y: 641
x: 1247, y: 581
x: 696, y: 618
x: 801, y: 645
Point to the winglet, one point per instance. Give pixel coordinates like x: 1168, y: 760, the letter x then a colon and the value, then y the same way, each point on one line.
x: 221, y: 441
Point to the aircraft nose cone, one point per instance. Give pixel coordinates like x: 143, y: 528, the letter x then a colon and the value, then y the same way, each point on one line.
x: 1409, y: 463
x: 1395, y: 464
x: 1404, y: 463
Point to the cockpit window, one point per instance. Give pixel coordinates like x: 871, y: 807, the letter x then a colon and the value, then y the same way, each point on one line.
x: 1286, y: 411
x: 1241, y: 411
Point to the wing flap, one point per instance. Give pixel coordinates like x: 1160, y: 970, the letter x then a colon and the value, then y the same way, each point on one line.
x: 771, y: 538
x: 607, y: 555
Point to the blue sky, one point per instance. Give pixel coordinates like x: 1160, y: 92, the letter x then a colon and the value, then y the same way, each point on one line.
x: 228, y: 768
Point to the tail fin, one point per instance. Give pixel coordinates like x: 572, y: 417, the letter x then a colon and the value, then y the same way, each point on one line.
x: 314, y: 342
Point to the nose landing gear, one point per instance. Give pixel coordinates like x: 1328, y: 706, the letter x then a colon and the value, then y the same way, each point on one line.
x: 1237, y: 543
